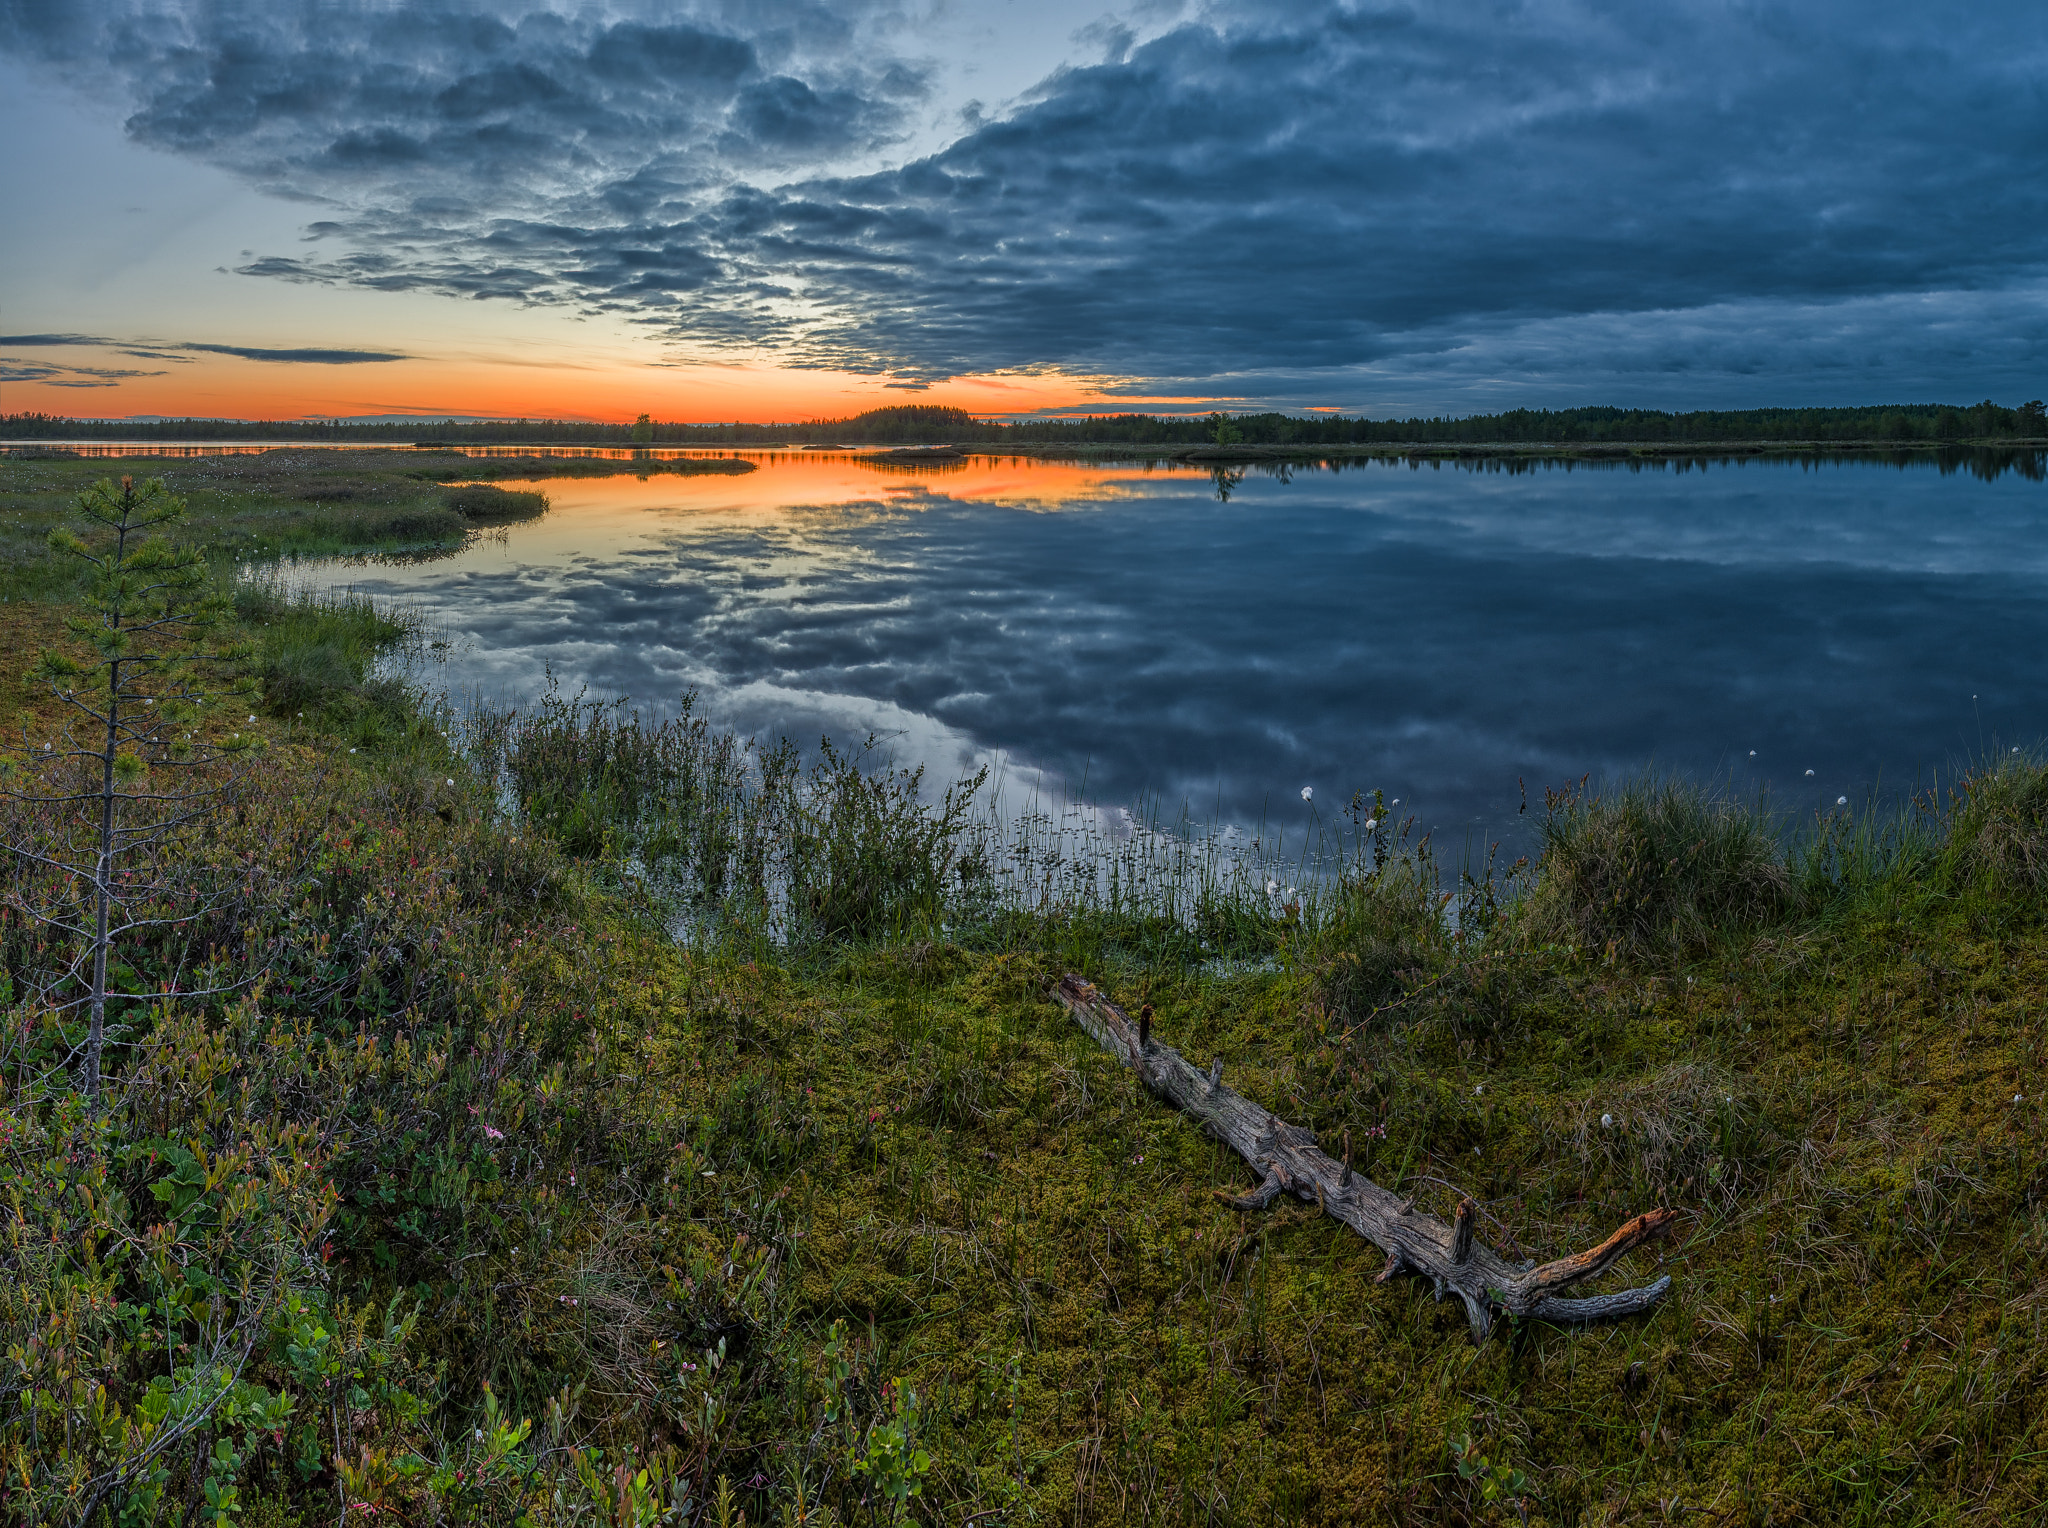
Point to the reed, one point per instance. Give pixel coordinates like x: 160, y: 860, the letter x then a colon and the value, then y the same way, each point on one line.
x: 753, y: 844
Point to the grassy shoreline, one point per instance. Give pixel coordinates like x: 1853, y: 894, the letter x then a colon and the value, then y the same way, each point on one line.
x: 691, y: 1206
x: 301, y: 503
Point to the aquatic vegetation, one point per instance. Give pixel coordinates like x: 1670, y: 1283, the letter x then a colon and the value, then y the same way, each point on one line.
x: 485, y: 502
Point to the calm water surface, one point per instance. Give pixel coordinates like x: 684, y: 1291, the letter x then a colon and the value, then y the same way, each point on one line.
x: 1434, y: 632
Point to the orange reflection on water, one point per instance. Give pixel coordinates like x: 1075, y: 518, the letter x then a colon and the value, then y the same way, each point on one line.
x: 783, y: 481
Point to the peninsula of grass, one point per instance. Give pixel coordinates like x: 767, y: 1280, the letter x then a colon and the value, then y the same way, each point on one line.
x: 303, y: 503
x: 601, y: 1120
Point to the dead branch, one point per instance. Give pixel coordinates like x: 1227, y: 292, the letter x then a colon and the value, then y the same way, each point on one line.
x: 1288, y: 1161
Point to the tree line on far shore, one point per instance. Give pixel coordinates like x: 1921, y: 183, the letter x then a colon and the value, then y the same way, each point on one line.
x: 1903, y: 424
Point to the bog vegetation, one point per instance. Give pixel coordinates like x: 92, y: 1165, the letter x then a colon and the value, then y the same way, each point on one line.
x: 565, y: 1116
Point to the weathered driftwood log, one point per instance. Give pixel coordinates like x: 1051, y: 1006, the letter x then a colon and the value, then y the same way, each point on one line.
x: 1288, y: 1162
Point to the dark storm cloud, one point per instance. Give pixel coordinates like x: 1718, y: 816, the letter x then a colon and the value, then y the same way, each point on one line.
x: 1480, y: 195
x: 455, y: 109
x: 1338, y: 187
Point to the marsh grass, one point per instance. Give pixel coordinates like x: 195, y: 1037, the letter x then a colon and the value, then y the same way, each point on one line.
x: 777, y: 849
x: 256, y: 509
x: 744, y: 844
x: 319, y: 653
x: 485, y: 503
x: 1657, y: 866
x: 1998, y: 831
x: 767, y: 847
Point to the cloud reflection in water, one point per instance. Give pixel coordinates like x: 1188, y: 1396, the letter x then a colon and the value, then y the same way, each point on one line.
x: 1436, y: 633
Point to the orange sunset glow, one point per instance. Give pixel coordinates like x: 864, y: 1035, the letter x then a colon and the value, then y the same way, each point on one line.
x: 599, y: 387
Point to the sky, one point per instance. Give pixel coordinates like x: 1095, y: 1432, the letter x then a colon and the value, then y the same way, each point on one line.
x: 785, y: 209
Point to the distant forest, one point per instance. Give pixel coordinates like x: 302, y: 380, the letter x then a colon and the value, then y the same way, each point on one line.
x: 1903, y: 423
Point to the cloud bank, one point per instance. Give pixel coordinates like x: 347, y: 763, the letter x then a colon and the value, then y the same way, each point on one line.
x: 1684, y: 200
x: 70, y: 374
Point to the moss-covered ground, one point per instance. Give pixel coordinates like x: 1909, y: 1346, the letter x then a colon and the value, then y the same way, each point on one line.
x: 707, y: 1216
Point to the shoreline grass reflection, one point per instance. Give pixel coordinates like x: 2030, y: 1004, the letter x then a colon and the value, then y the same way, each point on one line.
x: 777, y: 852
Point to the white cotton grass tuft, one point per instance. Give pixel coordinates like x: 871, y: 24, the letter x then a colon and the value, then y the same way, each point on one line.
x: 1809, y: 774
x: 1606, y: 1122
x: 1841, y: 801
x: 1308, y: 793
x: 1371, y: 823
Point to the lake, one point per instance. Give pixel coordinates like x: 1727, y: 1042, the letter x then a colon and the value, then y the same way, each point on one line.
x: 1442, y: 632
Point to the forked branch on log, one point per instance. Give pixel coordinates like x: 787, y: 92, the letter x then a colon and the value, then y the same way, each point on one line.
x: 1288, y: 1162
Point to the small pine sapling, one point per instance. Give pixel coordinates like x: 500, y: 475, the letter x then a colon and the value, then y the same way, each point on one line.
x: 140, y: 755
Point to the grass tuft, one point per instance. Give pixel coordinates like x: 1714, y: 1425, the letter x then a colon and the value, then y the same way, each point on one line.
x: 1999, y: 834
x: 1659, y: 865
x: 485, y: 503
x: 318, y: 654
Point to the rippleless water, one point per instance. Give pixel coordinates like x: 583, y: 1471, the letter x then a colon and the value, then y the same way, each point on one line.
x: 1435, y: 632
